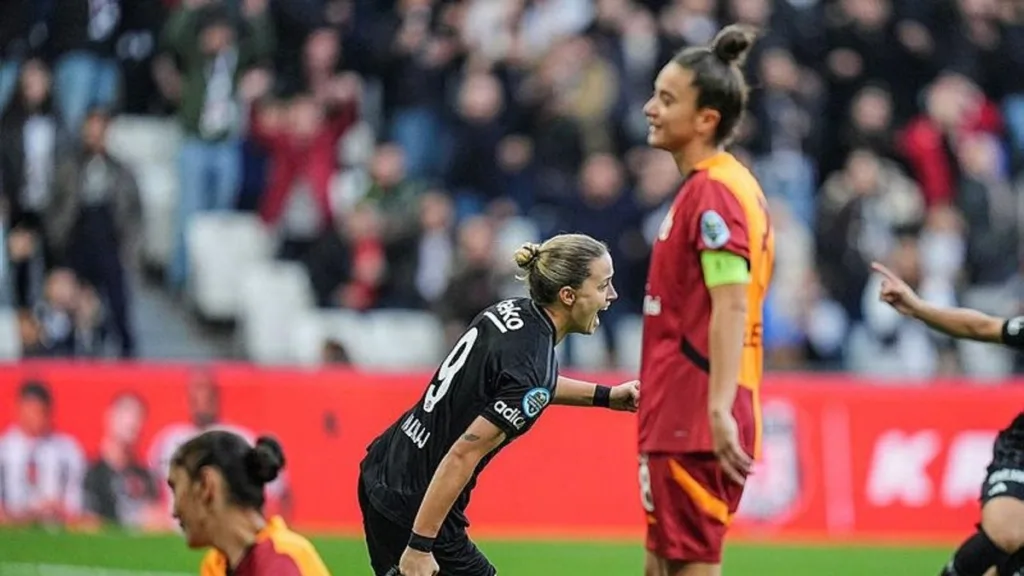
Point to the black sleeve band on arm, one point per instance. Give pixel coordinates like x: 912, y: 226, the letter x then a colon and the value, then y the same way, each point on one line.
x: 421, y: 543
x: 1013, y: 332
x: 602, y: 396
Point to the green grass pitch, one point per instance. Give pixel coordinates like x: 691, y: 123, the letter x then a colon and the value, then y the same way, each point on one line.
x: 37, y: 553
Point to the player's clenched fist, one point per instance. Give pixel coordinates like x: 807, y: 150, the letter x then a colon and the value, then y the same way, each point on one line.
x: 416, y: 563
x: 625, y: 397
x: 895, y: 292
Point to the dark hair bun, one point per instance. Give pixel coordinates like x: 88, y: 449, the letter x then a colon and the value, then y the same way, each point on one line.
x: 733, y: 42
x: 264, y: 460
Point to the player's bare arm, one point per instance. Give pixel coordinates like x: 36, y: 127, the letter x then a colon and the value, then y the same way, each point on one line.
x: 956, y: 322
x: 571, y: 392
x: 728, y: 320
x: 448, y: 482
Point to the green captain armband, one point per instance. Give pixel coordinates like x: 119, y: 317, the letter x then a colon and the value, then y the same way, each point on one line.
x: 721, y: 268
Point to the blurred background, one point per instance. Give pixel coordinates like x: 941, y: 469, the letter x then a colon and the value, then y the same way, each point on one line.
x: 276, y: 173
x: 261, y: 187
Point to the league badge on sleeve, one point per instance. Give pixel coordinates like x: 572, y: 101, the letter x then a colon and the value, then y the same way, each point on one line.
x: 535, y: 401
x: 713, y: 230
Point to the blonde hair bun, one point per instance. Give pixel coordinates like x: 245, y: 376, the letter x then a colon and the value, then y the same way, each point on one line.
x: 527, y: 254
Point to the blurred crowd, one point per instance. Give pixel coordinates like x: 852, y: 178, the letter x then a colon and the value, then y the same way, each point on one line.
x: 888, y: 130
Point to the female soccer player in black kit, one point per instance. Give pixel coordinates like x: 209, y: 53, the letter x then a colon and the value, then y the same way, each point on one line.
x: 998, y: 545
x: 416, y: 479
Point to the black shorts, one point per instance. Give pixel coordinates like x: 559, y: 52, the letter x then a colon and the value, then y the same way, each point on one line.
x: 386, y: 541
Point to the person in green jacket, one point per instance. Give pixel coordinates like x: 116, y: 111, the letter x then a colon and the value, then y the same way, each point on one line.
x: 206, y: 54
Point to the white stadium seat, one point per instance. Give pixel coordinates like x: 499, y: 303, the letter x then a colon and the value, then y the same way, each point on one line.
x: 140, y: 139
x: 10, y: 335
x: 512, y: 234
x: 158, y: 187
x: 222, y: 247
x: 307, y: 339
x: 404, y: 340
x: 314, y: 327
x: 384, y: 340
x: 273, y: 295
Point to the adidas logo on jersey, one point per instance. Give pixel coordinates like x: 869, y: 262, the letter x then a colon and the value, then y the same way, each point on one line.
x: 510, y: 413
x: 998, y: 489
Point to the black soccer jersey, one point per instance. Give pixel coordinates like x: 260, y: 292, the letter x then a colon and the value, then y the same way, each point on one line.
x: 1008, y: 450
x: 503, y: 369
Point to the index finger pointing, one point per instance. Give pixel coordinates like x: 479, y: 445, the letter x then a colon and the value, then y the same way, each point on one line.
x: 881, y: 269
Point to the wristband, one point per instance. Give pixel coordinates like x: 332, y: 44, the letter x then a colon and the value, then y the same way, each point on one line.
x: 1012, y: 334
x: 602, y: 396
x: 421, y: 543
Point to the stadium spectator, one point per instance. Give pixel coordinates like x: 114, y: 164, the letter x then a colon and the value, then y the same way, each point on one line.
x: 421, y: 255
x: 414, y: 52
x: 67, y: 321
x: 474, y: 282
x: 472, y: 174
x: 785, y: 132
x: 15, y: 45
x: 31, y: 140
x: 602, y: 208
x: 213, y: 53
x: 83, y: 40
x: 391, y: 191
x: 346, y: 266
x: 954, y: 108
x: 861, y: 208
x: 41, y: 469
x: 870, y: 126
x: 301, y: 137
x: 93, y: 223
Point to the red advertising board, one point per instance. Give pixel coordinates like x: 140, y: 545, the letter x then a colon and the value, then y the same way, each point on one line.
x: 842, y: 459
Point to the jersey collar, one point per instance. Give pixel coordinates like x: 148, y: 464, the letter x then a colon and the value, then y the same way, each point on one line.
x: 720, y: 159
x: 547, y: 321
x: 274, y: 525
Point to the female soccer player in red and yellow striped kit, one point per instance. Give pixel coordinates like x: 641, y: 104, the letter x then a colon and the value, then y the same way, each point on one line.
x: 702, y: 352
x: 218, y: 482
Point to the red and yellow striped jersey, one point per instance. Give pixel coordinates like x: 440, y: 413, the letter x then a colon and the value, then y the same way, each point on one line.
x: 720, y: 207
x: 277, y: 552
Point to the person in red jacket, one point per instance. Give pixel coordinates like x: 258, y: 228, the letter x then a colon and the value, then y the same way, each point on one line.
x: 301, y: 139
x: 954, y: 107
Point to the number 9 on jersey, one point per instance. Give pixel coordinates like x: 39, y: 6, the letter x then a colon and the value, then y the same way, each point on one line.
x: 449, y: 368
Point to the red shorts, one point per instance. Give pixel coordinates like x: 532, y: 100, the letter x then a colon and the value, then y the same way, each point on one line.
x: 689, y: 504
